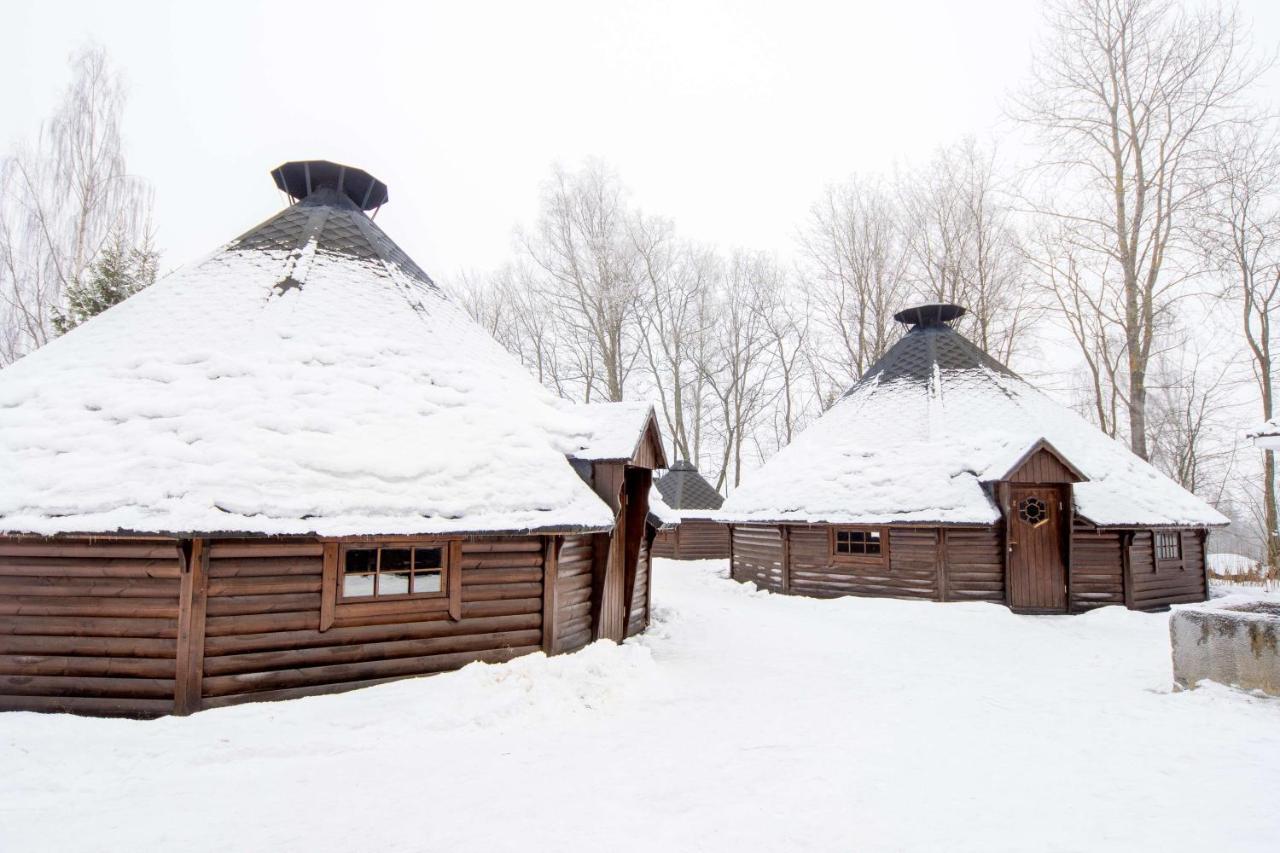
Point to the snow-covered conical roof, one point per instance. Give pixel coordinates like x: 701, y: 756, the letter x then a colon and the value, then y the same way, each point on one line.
x: 922, y: 435
x: 307, y: 377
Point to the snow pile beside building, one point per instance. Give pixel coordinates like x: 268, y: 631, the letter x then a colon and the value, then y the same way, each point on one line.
x: 1229, y: 565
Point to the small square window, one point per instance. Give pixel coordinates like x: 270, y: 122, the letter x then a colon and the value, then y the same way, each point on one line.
x: 858, y: 543
x: 391, y: 571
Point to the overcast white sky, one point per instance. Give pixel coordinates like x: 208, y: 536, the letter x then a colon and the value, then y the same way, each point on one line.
x: 728, y: 117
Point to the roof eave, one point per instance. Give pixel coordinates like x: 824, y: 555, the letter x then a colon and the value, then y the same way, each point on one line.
x: 547, y: 530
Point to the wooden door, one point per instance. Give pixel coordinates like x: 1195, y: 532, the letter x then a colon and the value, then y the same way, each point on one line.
x: 1036, y: 567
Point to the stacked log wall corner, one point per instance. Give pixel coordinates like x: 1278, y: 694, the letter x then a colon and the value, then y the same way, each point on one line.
x: 758, y: 555
x: 973, y: 562
x: 575, y: 573
x: 89, y: 626
x: 1096, y: 567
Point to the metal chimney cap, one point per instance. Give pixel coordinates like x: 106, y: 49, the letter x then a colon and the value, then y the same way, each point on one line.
x: 300, y: 178
x: 933, y: 314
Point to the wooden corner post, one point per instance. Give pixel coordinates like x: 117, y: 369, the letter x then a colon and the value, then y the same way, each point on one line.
x: 550, y: 601
x: 193, y: 595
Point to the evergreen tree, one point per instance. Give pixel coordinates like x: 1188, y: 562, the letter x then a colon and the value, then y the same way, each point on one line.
x: 119, y: 271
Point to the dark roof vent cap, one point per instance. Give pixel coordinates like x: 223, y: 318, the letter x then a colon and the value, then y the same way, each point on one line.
x: 933, y: 314
x: 300, y: 178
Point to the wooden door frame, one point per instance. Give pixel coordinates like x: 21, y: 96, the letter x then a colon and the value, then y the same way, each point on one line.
x: 1066, y: 516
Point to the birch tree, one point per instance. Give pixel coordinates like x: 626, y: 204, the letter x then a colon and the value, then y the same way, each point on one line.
x: 62, y: 200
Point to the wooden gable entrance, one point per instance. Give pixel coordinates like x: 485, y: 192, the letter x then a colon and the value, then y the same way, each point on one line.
x: 1037, y: 575
x: 1036, y: 497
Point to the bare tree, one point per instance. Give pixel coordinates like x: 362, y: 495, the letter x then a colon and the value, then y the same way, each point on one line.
x: 784, y: 320
x: 677, y: 278
x: 963, y: 245
x: 1185, y: 405
x: 1081, y: 298
x: 855, y: 263
x: 1127, y: 95
x: 736, y: 361
x: 1241, y: 209
x: 507, y: 304
x: 588, y: 264
x: 62, y: 200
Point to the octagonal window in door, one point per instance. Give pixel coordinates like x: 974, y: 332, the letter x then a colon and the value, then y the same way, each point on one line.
x: 1033, y: 511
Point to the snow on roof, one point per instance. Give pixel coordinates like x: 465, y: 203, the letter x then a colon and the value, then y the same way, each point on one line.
x: 613, y: 431
x: 664, y: 516
x: 916, y: 439
x: 1267, y: 435
x: 308, y: 377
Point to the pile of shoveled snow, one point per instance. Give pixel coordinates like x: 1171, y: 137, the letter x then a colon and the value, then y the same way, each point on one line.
x: 740, y: 721
x: 1231, y: 564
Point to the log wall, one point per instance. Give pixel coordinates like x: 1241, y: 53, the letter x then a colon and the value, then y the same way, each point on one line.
x: 910, y: 572
x: 695, y: 539
x: 973, y: 564
x: 262, y: 637
x: 135, y: 627
x: 1152, y: 586
x: 1096, y: 568
x: 89, y: 626
x: 573, y: 593
x: 967, y: 564
x: 757, y: 555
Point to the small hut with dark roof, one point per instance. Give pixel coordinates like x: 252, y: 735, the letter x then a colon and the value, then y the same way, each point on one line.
x: 943, y: 475
x: 696, y: 535
x: 297, y: 467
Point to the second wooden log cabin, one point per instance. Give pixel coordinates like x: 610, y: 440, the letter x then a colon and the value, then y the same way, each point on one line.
x: 943, y: 475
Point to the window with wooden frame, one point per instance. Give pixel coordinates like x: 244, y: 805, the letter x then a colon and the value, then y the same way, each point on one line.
x: 860, y: 544
x: 376, y: 579
x: 392, y: 571
x: 1168, y: 544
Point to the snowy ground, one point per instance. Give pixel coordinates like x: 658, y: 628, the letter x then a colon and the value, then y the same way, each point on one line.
x: 742, y: 721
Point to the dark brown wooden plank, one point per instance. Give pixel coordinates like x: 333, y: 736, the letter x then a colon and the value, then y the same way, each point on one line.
x: 257, y: 662
x: 191, y: 628
x: 347, y: 672
x: 441, y: 626
x: 455, y: 580
x: 550, y: 588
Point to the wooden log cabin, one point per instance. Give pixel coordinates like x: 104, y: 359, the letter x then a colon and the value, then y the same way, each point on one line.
x: 695, y: 534
x: 943, y: 475
x: 297, y: 467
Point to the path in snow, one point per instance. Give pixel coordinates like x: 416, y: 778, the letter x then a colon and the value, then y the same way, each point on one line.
x: 741, y: 721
